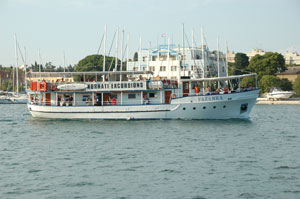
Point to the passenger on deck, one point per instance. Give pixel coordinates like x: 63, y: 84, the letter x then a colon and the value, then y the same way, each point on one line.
x: 114, y: 101
x: 226, y: 90
x: 197, y: 90
x: 207, y: 90
x: 58, y: 100
x: 88, y: 100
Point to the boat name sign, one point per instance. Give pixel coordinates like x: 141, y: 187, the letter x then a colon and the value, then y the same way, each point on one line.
x: 116, y: 86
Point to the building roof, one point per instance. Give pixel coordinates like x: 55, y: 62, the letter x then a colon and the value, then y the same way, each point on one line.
x: 291, y: 71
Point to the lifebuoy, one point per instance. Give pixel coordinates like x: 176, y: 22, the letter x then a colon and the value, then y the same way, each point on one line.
x: 42, y: 86
x: 53, y: 87
x: 174, y: 95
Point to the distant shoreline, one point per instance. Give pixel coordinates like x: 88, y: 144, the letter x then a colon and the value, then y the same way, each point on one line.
x: 291, y: 101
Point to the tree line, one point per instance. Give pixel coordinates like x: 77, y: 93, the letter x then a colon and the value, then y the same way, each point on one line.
x: 266, y: 67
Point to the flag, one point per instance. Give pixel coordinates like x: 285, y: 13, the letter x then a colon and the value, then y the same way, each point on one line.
x: 163, y: 35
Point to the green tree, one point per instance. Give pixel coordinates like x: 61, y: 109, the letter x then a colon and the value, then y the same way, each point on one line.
x: 241, y: 61
x: 240, y: 65
x: 285, y: 84
x: 49, y: 67
x: 36, y: 67
x: 95, y: 63
x: 267, y: 82
x: 248, y: 81
x: 135, y: 56
x: 296, y: 85
x: 267, y: 64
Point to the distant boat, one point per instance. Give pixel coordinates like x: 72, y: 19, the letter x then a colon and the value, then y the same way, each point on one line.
x: 4, y: 99
x: 19, y: 99
x: 277, y: 93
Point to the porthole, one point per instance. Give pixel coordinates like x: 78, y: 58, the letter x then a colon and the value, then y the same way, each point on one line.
x: 224, y: 106
x: 204, y: 107
x: 214, y: 107
x: 183, y: 108
x: 194, y: 108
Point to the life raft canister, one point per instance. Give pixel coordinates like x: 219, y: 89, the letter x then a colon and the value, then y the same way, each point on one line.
x: 53, y: 87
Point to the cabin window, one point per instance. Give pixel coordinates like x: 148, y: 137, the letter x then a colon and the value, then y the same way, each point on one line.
x: 173, y: 68
x: 151, y: 94
x: 131, y: 96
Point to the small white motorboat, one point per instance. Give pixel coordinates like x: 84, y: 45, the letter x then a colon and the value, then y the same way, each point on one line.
x: 277, y: 93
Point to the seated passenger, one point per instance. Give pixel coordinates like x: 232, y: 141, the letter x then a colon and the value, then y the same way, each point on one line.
x: 197, y: 90
x: 207, y: 90
x: 226, y: 90
x: 114, y: 101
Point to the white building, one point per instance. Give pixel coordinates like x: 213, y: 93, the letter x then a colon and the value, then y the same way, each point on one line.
x: 254, y: 52
x: 230, y: 56
x: 168, y: 62
x: 292, y: 58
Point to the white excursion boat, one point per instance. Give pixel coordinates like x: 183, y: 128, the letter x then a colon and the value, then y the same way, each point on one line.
x: 134, y: 95
x: 277, y: 93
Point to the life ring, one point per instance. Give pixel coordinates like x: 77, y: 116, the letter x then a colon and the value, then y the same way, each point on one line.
x: 42, y: 86
x: 174, y: 96
x: 53, y: 87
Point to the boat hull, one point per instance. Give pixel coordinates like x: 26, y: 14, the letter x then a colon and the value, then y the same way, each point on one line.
x: 237, y: 105
x: 280, y: 95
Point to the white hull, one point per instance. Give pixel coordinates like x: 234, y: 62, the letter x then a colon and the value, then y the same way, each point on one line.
x: 5, y: 101
x: 21, y: 99
x: 193, y: 107
x: 280, y: 95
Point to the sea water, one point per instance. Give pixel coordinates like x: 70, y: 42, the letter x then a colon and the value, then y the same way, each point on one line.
x: 196, y: 159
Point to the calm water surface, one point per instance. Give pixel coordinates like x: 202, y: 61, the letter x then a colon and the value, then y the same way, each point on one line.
x: 256, y: 158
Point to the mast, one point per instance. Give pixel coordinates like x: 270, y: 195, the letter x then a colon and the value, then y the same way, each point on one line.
x: 226, y: 59
x: 39, y: 63
x: 117, y: 45
x: 203, y: 58
x: 122, y: 44
x: 64, y: 61
x: 168, y: 58
x: 193, y: 40
x: 127, y: 51
x: 203, y: 54
x: 140, y: 53
x: 17, y: 71
x: 218, y: 61
x: 104, y: 53
x: 183, y: 53
x: 148, y: 61
x: 25, y: 67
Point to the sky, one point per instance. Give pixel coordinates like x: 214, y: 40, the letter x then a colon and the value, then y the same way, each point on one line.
x: 75, y: 27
